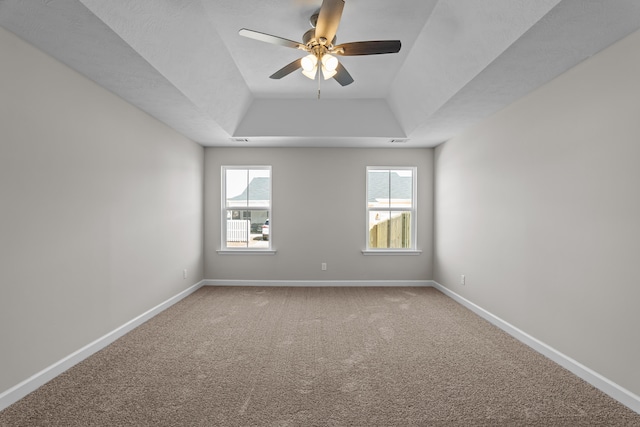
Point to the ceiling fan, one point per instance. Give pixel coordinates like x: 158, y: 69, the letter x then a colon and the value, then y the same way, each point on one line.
x: 319, y: 42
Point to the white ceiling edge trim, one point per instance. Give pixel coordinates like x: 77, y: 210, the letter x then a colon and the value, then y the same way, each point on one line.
x: 316, y: 142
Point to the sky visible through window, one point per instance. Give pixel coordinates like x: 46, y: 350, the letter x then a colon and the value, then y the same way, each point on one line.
x: 239, y: 179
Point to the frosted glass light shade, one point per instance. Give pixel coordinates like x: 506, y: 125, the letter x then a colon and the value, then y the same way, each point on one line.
x: 329, y: 62
x: 311, y: 74
x: 309, y: 62
x: 328, y: 74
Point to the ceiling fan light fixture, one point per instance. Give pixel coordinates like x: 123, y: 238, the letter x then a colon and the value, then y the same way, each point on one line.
x: 309, y: 66
x: 321, y: 40
x: 329, y: 62
x: 327, y: 74
x: 311, y: 74
x: 329, y: 65
x: 309, y: 62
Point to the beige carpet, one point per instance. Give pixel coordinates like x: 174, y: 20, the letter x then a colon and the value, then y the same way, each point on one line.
x: 317, y: 357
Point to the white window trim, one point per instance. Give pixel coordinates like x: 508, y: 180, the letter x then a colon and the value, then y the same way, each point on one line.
x: 398, y: 251
x: 223, y: 213
x: 414, y: 215
x: 251, y: 251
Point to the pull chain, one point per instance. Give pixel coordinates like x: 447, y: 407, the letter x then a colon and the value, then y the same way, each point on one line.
x: 319, y: 83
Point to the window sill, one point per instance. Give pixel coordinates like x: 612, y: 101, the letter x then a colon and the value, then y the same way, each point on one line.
x: 391, y: 252
x: 246, y: 252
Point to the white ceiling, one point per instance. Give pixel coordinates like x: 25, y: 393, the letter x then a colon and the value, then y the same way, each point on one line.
x: 184, y: 63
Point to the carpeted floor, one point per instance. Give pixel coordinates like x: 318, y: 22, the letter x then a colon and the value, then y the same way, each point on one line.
x: 229, y: 356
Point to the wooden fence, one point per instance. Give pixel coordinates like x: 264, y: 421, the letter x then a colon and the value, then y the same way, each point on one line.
x: 392, y: 233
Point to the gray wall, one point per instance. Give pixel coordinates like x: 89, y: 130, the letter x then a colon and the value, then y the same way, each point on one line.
x: 318, y: 215
x: 100, y: 211
x: 539, y: 207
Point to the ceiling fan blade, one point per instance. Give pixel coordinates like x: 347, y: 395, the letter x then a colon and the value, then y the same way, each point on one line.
x: 268, y: 38
x: 329, y: 19
x: 368, y: 48
x: 287, y: 69
x: 342, y: 75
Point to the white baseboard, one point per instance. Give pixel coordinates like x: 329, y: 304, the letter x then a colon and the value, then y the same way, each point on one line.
x: 20, y: 390
x: 317, y: 283
x: 622, y: 395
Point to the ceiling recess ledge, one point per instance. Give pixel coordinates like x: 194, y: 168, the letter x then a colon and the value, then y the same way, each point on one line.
x: 354, y: 118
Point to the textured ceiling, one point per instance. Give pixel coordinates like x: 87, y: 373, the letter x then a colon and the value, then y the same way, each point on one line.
x: 184, y: 63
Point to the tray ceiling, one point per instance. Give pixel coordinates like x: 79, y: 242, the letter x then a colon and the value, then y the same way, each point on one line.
x: 185, y: 64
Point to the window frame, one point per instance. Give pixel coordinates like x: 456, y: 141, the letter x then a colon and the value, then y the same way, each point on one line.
x: 413, y: 250
x: 224, y: 209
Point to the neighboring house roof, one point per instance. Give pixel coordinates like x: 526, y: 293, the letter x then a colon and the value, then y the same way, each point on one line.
x: 379, y: 183
x: 258, y: 189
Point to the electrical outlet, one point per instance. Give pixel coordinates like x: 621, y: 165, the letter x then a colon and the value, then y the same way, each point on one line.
x: 184, y: 273
x: 462, y: 279
x: 323, y: 266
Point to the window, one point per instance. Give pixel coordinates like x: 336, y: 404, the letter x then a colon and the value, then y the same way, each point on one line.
x: 246, y: 207
x: 391, y: 209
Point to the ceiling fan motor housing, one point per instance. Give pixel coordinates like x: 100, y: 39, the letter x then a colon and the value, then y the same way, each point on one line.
x: 313, y: 20
x: 310, y: 41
